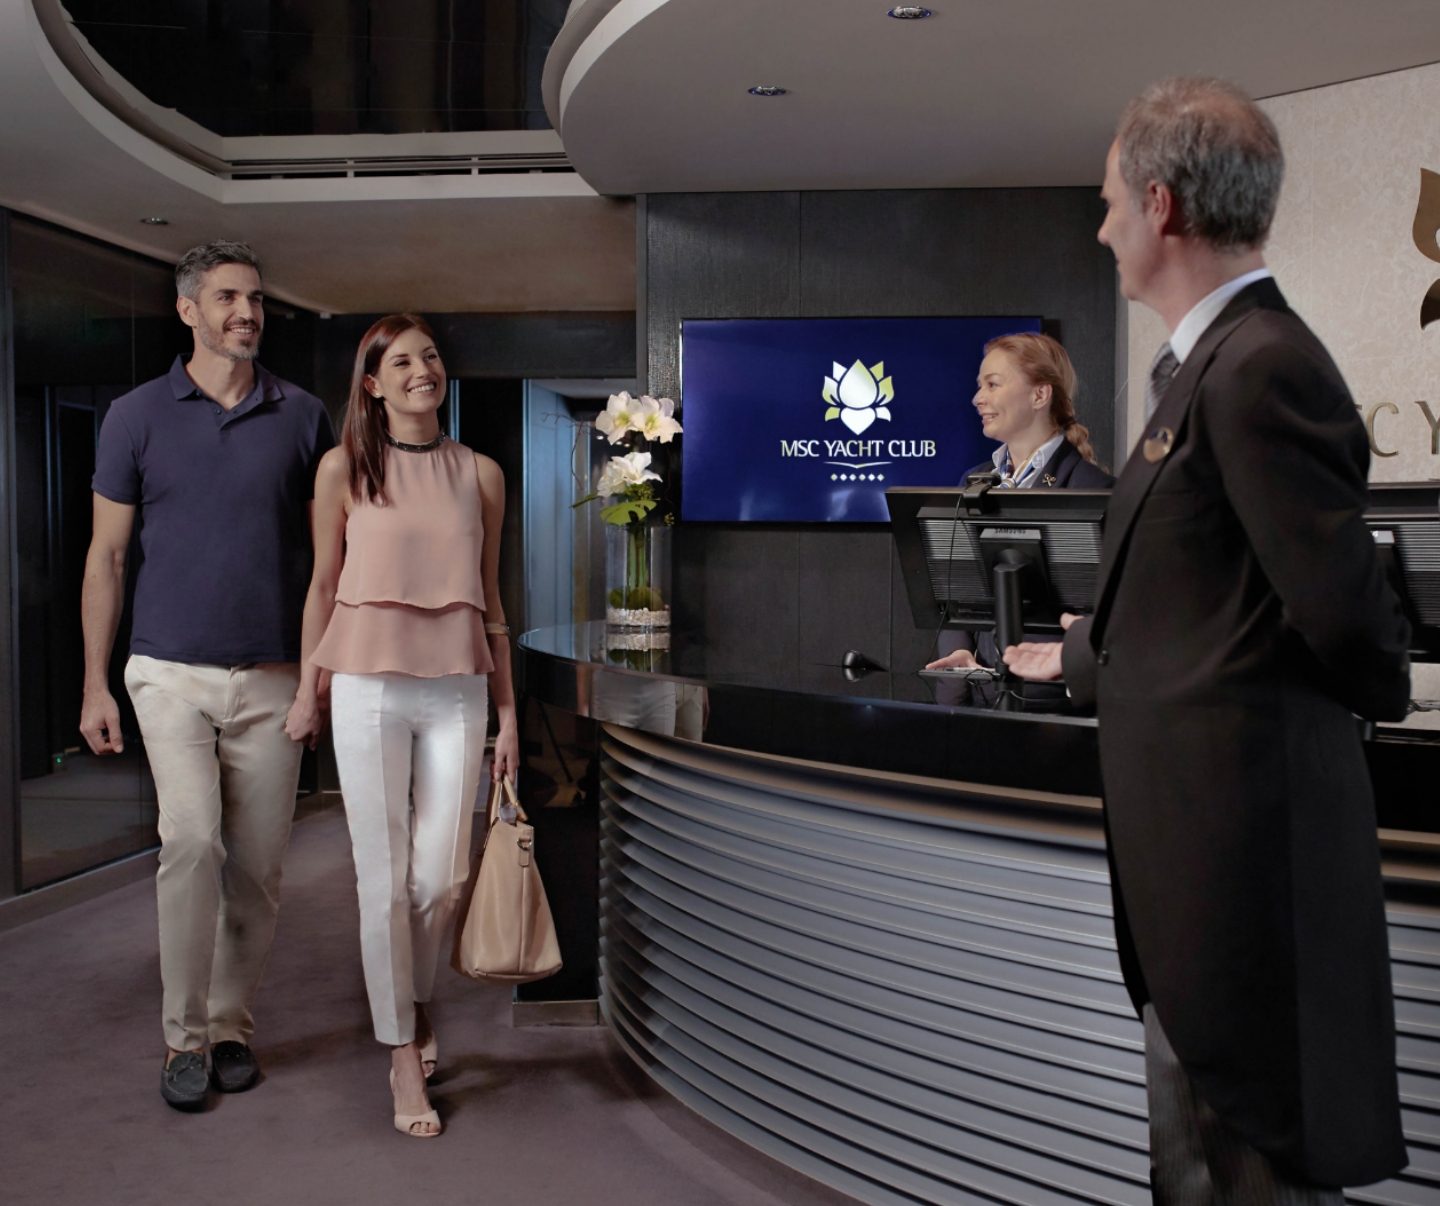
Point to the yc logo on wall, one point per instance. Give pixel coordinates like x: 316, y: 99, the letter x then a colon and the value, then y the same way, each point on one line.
x: 858, y: 395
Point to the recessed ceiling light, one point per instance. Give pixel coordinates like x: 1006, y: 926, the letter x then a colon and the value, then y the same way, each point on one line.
x: 766, y: 90
x: 909, y: 12
x: 155, y: 221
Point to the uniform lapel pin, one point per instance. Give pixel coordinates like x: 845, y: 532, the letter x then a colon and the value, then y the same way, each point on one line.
x: 1157, y: 444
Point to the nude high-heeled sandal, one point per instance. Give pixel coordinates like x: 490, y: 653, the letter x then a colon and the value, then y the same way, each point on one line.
x: 430, y: 1055
x: 403, y: 1122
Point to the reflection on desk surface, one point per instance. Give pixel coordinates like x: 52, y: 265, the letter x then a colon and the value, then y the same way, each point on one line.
x: 687, y: 658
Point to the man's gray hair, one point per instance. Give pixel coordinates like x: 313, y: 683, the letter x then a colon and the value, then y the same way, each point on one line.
x: 195, y: 263
x: 1214, y: 149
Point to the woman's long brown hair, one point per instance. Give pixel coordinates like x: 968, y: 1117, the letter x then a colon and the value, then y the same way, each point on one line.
x: 365, y: 428
x: 1042, y: 361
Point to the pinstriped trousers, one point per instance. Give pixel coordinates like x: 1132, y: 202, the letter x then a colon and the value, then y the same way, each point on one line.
x: 1195, y: 1160
x: 409, y: 751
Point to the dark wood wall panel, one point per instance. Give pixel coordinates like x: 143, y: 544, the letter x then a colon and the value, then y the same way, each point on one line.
x: 810, y: 591
x: 972, y: 252
x: 716, y: 255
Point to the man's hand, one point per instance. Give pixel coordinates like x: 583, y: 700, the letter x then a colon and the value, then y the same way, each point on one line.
x: 100, y: 722
x: 306, y: 719
x: 1039, y: 660
x: 102, y: 596
x: 961, y: 659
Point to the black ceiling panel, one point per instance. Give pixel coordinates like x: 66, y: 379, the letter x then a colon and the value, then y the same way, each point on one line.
x: 275, y: 67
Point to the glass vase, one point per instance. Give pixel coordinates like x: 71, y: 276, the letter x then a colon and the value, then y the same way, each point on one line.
x: 637, y: 575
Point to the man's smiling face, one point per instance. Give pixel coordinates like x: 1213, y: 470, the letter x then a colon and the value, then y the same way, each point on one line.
x: 228, y: 314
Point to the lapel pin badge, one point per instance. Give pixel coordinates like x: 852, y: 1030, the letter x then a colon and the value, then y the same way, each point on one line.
x: 1157, y: 444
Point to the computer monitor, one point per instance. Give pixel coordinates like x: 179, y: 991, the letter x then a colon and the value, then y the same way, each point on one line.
x: 980, y: 557
x: 951, y: 541
x: 1404, y: 518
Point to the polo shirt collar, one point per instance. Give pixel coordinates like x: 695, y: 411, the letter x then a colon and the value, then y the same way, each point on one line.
x: 267, y: 388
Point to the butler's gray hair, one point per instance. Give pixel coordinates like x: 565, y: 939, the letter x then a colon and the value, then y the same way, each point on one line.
x: 1216, y: 152
x: 191, y: 270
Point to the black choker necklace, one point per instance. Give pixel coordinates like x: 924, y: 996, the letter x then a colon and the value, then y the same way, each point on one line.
x: 435, y: 443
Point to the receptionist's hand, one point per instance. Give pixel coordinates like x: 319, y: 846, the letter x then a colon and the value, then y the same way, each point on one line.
x: 1039, y: 660
x: 961, y: 659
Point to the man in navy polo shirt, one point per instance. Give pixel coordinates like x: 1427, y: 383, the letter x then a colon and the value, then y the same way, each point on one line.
x: 218, y: 459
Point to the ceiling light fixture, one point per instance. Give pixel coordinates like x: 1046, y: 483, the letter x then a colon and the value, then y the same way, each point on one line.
x: 909, y: 12
x: 766, y: 90
x: 155, y: 221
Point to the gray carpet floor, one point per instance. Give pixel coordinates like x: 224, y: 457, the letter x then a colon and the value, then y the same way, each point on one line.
x: 534, y: 1117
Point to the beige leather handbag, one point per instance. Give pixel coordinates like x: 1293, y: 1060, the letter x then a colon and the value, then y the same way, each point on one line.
x: 504, y: 933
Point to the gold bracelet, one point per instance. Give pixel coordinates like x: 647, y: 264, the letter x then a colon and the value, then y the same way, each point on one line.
x: 497, y: 629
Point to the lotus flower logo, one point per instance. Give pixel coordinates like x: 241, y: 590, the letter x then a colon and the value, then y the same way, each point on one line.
x: 1427, y: 223
x: 854, y: 392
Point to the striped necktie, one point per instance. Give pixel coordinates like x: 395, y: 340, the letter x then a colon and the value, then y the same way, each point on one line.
x: 1162, y: 371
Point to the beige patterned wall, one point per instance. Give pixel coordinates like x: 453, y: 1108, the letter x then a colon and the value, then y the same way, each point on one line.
x: 1343, y: 252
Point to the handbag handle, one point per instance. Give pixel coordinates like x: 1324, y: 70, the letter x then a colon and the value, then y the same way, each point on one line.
x: 509, y: 791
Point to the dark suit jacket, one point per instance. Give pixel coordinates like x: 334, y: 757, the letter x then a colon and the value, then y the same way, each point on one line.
x: 1066, y: 469
x: 1242, y: 620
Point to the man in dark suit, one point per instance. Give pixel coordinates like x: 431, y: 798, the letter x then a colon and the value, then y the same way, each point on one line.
x: 1242, y: 622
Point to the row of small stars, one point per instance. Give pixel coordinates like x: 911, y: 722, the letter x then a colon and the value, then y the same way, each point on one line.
x: 857, y: 477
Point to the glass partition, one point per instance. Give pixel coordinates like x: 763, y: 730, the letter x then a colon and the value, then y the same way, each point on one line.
x: 90, y: 322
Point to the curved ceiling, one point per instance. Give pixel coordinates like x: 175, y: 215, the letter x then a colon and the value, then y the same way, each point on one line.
x: 651, y: 95
x: 362, y: 234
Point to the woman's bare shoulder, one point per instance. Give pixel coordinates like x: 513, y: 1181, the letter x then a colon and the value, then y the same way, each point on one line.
x: 490, y: 474
x: 334, y: 468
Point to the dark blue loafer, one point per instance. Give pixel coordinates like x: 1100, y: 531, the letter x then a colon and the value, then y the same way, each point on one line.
x: 183, y: 1082
x: 233, y: 1067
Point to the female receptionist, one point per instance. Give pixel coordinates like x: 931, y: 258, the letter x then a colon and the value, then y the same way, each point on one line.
x: 1026, y: 400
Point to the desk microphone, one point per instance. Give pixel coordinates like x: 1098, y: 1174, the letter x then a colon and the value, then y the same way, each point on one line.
x: 855, y: 665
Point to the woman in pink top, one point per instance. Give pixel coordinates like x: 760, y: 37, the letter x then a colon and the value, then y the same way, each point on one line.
x: 404, y: 617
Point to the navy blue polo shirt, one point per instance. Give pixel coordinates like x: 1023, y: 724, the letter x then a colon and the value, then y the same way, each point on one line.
x: 223, y: 514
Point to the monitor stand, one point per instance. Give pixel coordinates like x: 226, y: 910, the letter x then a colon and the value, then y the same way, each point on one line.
x: 1009, y: 606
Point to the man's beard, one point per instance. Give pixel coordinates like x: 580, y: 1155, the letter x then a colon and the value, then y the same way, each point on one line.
x: 214, y: 340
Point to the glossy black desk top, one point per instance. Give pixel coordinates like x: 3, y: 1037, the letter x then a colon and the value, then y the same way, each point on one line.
x: 896, y: 723
x: 902, y: 723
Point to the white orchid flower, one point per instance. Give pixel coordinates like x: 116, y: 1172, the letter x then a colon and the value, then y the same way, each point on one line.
x: 622, y: 472
x: 655, y: 419
x: 618, y: 418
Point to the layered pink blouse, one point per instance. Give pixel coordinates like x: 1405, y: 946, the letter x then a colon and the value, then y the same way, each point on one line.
x: 410, y: 598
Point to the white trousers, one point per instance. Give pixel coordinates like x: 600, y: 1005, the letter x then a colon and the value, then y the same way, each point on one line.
x: 409, y: 751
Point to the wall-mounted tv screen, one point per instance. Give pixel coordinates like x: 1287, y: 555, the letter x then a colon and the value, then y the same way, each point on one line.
x: 812, y: 419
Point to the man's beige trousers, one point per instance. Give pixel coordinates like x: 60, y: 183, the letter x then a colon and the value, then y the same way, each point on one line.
x: 225, y: 775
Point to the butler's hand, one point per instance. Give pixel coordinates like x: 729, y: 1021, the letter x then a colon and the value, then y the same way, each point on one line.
x: 961, y: 659
x: 1039, y: 660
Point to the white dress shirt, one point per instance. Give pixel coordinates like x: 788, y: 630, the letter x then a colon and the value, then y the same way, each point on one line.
x: 1207, y: 310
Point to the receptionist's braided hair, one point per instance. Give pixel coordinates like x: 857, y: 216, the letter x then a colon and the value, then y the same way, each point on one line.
x: 1042, y: 361
x: 363, y: 434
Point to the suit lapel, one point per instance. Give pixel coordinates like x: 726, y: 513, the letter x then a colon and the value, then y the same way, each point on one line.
x: 1059, y: 467
x: 1167, y: 428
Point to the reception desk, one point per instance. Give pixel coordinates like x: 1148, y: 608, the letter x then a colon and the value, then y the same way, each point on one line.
x: 862, y: 921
